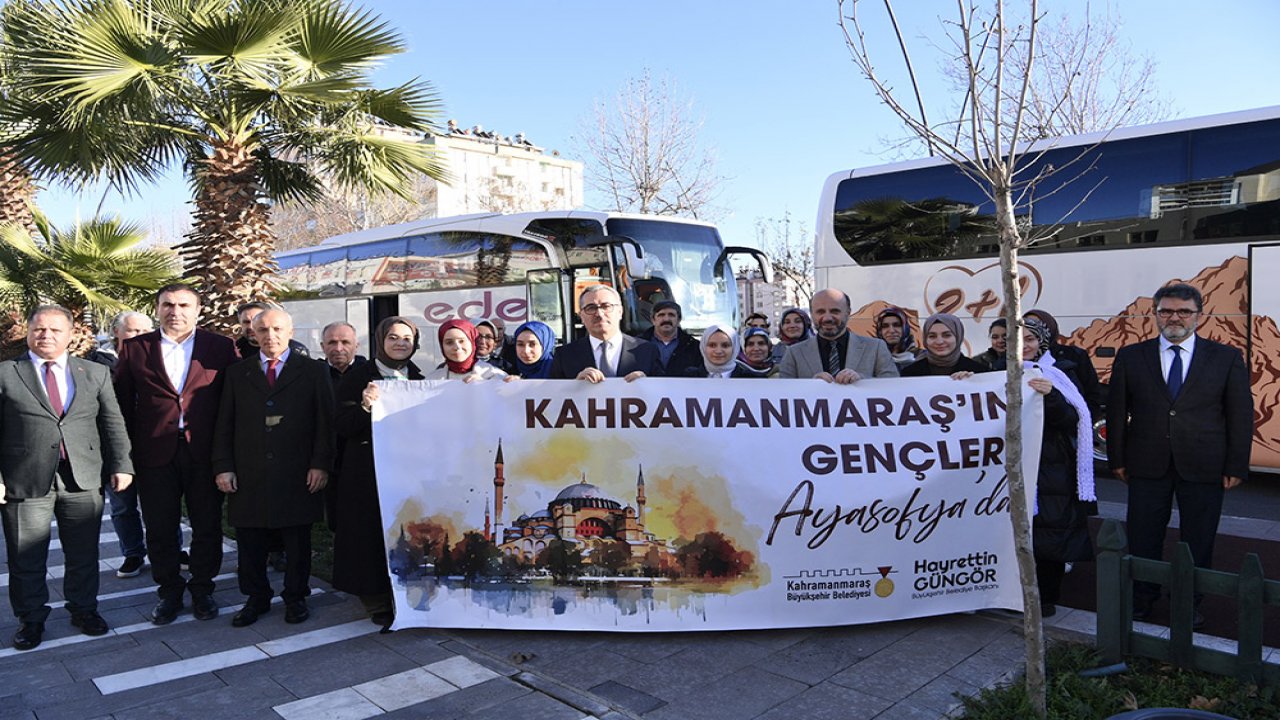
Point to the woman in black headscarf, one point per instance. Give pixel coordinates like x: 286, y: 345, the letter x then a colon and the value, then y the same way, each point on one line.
x: 359, y: 554
x: 793, y: 327
x: 944, y: 349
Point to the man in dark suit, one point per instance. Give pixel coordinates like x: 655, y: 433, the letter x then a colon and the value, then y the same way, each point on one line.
x: 1179, y: 424
x: 273, y: 452
x: 340, y: 345
x: 605, y: 352
x: 834, y: 354
x: 678, y: 351
x: 168, y: 382
x: 247, y: 344
x: 60, y: 429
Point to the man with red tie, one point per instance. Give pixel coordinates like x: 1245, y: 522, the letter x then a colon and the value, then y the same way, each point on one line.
x: 273, y: 450
x: 168, y: 382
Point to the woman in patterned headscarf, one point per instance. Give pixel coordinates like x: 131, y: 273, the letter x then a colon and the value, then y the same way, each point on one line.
x: 894, y: 328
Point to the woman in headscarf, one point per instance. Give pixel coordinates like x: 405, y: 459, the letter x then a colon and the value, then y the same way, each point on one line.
x: 489, y: 344
x: 944, y: 348
x: 1065, y: 496
x: 458, y: 345
x: 719, y: 346
x: 1090, y: 387
x: 359, y: 558
x: 756, y: 358
x: 535, y: 345
x: 994, y: 356
x: 793, y: 327
x: 894, y: 328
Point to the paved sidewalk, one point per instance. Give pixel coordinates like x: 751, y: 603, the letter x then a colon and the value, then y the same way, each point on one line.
x: 338, y: 666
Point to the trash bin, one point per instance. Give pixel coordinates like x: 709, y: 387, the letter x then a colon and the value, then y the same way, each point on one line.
x: 1169, y: 714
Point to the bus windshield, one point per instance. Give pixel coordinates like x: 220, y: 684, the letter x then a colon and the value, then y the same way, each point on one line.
x: 679, y: 264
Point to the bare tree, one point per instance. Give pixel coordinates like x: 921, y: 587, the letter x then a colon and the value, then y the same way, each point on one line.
x: 986, y: 138
x: 644, y: 154
x: 790, y: 249
x: 302, y: 224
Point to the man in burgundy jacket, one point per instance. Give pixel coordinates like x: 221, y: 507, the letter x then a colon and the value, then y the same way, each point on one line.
x: 168, y: 382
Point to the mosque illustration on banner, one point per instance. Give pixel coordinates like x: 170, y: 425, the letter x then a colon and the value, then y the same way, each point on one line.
x: 583, y: 531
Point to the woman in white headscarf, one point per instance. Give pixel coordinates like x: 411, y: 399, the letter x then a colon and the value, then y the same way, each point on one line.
x: 719, y: 346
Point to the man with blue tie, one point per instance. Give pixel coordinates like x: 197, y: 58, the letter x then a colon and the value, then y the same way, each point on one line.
x: 605, y: 352
x: 1179, y: 424
x: 60, y: 428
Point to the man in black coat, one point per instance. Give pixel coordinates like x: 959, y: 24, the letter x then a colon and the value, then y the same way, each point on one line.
x: 341, y: 351
x: 1179, y: 423
x: 678, y: 351
x: 273, y: 451
x: 605, y: 352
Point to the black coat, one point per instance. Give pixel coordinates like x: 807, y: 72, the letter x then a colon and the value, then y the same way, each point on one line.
x: 686, y: 356
x: 270, y: 438
x: 921, y: 368
x: 359, y: 553
x: 1060, y: 530
x: 739, y: 372
x: 575, y: 357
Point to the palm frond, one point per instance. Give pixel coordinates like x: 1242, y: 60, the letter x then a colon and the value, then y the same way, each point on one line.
x: 333, y: 38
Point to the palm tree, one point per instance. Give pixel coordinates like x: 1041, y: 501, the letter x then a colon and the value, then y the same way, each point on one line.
x: 93, y: 269
x: 260, y: 101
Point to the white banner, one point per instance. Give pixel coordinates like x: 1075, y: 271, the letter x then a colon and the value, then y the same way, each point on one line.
x: 680, y: 504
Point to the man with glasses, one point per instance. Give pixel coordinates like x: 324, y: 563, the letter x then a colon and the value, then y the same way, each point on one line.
x: 1179, y: 424
x: 605, y: 352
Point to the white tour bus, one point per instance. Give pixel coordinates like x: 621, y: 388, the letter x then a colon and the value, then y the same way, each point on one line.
x: 1193, y: 200
x: 517, y: 267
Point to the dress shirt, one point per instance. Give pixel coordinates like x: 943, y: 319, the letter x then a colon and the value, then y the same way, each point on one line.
x: 842, y: 345
x: 614, y: 352
x: 1166, y: 355
x: 177, y: 362
x: 284, y: 358
x: 61, y: 375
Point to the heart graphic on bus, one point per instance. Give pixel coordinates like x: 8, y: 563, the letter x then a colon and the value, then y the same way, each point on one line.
x: 976, y: 294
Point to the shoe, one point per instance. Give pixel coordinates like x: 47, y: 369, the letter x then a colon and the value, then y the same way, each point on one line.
x: 184, y: 558
x: 165, y: 611
x: 203, y: 607
x: 131, y: 567
x: 90, y: 623
x: 276, y: 561
x: 249, y: 615
x: 28, y: 636
x: 296, y: 611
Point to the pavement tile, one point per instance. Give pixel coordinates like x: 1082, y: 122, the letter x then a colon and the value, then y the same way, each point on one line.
x: 569, y: 695
x: 893, y: 673
x: 253, y: 698
x: 533, y: 706
x: 502, y: 668
x: 823, y: 655
x: 476, y: 698
x: 627, y: 698
x: 828, y: 702
x: 404, y: 689
x: 653, y: 648
x: 36, y: 674
x: 985, y: 667
x: 460, y: 671
x: 310, y: 673
x: 341, y: 704
x: 940, y: 693
x: 144, y: 652
x: 192, y: 639
x: 742, y: 694
x: 905, y: 711
x: 591, y: 666
x: 99, y: 705
x: 782, y: 638
x: 421, y: 648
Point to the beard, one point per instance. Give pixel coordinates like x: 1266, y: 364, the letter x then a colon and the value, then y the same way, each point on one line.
x: 1177, y: 333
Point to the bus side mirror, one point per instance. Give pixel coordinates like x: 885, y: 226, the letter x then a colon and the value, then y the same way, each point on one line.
x: 766, y: 267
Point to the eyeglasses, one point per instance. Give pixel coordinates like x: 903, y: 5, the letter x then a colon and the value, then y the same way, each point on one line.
x: 1182, y: 313
x: 484, y: 337
x: 595, y: 309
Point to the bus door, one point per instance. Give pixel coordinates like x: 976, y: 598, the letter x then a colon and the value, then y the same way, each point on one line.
x: 547, y: 290
x: 311, y: 316
x: 1264, y: 348
x: 381, y: 307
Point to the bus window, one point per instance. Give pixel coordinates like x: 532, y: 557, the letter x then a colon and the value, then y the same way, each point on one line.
x: 571, y: 234
x: 329, y: 273
x: 295, y: 273
x: 376, y: 267
x: 468, y: 259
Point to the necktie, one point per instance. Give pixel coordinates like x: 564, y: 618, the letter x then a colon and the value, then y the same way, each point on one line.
x: 1175, y: 373
x: 55, y: 400
x: 604, y: 366
x: 833, y: 357
x: 271, y: 371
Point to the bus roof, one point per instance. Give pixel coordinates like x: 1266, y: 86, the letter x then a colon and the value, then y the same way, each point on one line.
x: 1161, y: 128
x: 510, y: 224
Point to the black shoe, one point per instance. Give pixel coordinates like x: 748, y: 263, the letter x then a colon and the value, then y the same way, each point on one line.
x: 276, y: 561
x: 165, y: 611
x: 90, y: 623
x: 28, y: 636
x: 184, y: 558
x: 203, y: 607
x: 296, y: 611
x: 131, y: 567
x: 249, y: 614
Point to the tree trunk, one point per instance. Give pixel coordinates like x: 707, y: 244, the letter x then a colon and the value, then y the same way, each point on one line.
x: 1033, y: 631
x: 16, y: 193
x: 229, y: 251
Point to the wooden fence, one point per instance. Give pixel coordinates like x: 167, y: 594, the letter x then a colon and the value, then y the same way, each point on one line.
x: 1117, y: 572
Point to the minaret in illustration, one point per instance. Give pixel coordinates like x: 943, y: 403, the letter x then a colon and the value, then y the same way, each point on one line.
x: 487, y: 536
x: 499, y: 484
x: 640, y: 498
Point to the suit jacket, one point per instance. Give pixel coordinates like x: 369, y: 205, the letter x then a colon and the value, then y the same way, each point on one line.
x: 151, y: 405
x: 869, y: 357
x: 270, y: 437
x: 30, y: 433
x: 1206, y: 433
x: 577, y: 356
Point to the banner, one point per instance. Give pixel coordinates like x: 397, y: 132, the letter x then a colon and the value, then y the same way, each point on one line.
x: 680, y: 504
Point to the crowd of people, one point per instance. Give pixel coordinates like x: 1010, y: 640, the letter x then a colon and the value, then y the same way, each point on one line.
x: 180, y: 416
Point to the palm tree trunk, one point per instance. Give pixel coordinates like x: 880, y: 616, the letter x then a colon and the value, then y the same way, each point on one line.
x: 229, y: 251
x: 17, y: 190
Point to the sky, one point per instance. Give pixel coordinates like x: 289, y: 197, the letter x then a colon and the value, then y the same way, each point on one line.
x: 779, y: 101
